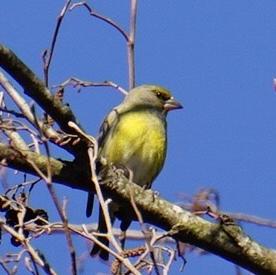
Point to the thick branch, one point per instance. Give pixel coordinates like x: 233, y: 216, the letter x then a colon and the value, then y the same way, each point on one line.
x: 64, y: 172
x: 226, y: 240
x: 36, y: 89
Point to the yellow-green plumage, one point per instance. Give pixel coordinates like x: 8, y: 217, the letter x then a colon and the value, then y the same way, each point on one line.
x: 134, y: 136
x: 138, y: 142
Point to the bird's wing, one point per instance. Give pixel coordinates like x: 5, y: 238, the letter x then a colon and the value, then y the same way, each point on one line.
x: 109, y: 122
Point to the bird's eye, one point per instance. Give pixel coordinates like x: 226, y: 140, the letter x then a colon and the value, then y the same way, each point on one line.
x: 162, y: 95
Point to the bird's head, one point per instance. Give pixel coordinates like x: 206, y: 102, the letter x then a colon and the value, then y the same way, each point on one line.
x: 152, y: 96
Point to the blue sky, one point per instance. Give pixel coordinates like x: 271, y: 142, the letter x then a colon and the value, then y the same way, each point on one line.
x: 217, y: 57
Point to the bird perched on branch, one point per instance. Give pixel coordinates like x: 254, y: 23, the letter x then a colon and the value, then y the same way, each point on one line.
x: 134, y: 135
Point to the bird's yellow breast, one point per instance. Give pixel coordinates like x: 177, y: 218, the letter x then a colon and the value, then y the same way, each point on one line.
x: 138, y: 141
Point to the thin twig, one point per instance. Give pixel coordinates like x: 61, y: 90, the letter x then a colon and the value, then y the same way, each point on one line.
x: 131, y: 44
x: 29, y: 248
x: 252, y: 219
x: 61, y: 212
x: 36, y: 89
x: 12, y: 112
x: 24, y: 107
x: 76, y: 82
x: 4, y: 266
x: 48, y: 53
x: 21, y: 127
x: 18, y: 100
x: 13, y: 190
x: 206, y: 201
x: 48, y: 179
x: 144, y: 230
x: 93, y: 154
x: 171, y: 252
x: 92, y: 238
x: 15, y: 138
x: 36, y: 272
x: 129, y: 38
x: 57, y: 228
x: 101, y: 17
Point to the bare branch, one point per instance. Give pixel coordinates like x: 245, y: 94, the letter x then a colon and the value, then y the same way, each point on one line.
x: 12, y: 134
x: 252, y: 219
x: 131, y: 44
x: 48, y: 53
x: 130, y: 38
x: 75, y: 82
x: 48, y: 179
x: 63, y: 172
x: 36, y: 89
x: 226, y: 240
x: 28, y: 247
x: 101, y: 17
x: 93, y: 154
x: 25, y: 108
x: 206, y: 201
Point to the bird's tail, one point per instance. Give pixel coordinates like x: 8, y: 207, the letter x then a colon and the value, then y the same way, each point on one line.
x: 89, y: 205
x: 125, y: 223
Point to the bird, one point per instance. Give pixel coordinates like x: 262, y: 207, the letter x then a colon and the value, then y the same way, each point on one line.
x: 134, y: 136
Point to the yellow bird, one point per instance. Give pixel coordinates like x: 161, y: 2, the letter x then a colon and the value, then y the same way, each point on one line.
x: 134, y: 136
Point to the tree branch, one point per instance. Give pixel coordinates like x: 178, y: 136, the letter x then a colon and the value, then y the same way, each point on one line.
x: 48, y: 53
x: 35, y: 88
x: 226, y: 240
x: 64, y: 172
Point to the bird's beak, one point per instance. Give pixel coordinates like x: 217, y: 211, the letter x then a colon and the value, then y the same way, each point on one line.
x: 172, y: 104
